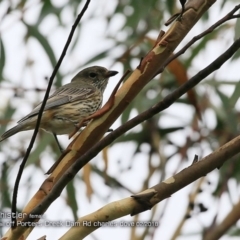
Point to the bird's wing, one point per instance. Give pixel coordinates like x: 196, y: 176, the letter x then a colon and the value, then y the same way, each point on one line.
x: 65, y: 94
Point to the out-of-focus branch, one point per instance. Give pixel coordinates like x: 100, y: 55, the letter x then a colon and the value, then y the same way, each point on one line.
x: 230, y: 220
x: 191, y: 198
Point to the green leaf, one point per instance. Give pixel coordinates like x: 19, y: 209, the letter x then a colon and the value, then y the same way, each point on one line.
x: 100, y: 55
x: 126, y: 114
x: 236, y: 36
x: 235, y: 96
x: 229, y: 116
x: 170, y: 6
x: 4, y: 187
x: 34, y: 32
x: 200, y: 45
x: 7, y: 114
x: 237, y: 29
x: 71, y: 199
x: 143, y: 136
x: 2, y: 59
x: 111, y: 181
x: 47, y: 9
x: 44, y: 142
x: 234, y: 231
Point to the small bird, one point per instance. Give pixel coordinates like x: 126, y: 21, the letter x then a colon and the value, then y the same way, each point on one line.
x: 69, y: 104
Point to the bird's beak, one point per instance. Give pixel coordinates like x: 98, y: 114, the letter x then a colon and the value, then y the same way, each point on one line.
x: 111, y: 73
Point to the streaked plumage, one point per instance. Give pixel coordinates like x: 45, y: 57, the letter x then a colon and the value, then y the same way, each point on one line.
x: 68, y: 105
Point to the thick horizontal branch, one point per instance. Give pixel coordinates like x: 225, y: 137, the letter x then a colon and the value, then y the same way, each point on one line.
x: 188, y: 175
x: 149, y: 197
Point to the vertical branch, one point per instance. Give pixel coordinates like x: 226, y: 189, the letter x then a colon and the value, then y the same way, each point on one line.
x: 19, y: 175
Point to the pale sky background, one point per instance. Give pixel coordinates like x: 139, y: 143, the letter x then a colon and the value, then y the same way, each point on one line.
x: 92, y: 40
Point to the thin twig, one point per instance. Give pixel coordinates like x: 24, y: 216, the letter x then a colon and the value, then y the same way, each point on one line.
x: 227, y: 17
x: 165, y: 103
x: 19, y: 175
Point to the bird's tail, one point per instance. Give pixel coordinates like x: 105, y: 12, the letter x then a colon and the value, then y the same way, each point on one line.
x: 12, y: 131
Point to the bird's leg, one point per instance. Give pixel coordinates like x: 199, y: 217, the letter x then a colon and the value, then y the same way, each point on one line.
x: 108, y: 105
x: 178, y: 16
x: 59, y: 146
x: 183, y: 9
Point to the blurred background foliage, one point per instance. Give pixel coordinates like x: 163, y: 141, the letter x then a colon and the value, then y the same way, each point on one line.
x: 199, y: 122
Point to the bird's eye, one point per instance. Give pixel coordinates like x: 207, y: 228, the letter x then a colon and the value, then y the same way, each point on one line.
x: 92, y: 75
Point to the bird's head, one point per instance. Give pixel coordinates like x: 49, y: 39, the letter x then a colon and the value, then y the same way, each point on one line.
x: 97, y: 76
